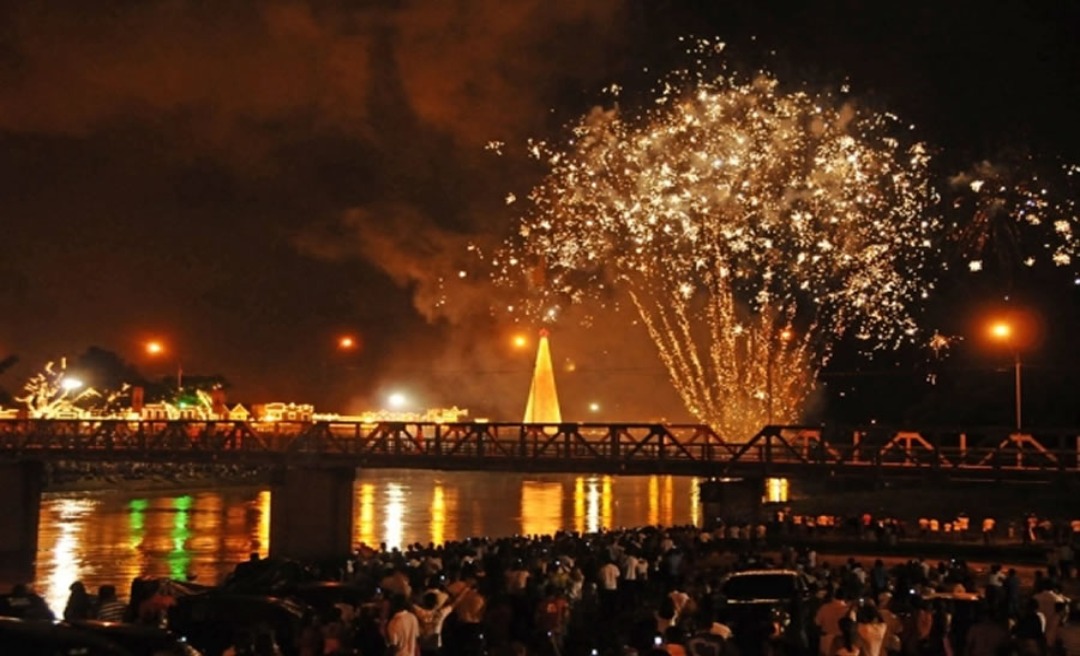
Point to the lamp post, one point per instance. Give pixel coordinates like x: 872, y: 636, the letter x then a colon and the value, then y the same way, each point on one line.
x: 1003, y: 332
x: 784, y: 337
x: 337, y: 363
x: 156, y: 348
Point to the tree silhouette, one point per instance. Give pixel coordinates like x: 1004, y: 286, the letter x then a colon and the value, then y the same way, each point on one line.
x: 5, y: 364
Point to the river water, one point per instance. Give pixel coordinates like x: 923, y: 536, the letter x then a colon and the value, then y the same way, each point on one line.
x: 115, y: 536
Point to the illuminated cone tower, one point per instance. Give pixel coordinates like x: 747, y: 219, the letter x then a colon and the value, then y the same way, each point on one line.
x: 543, y: 405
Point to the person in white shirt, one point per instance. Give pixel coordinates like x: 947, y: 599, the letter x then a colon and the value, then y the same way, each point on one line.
x: 403, y: 629
x: 1050, y: 605
x: 870, y: 631
x: 608, y: 580
x: 828, y: 619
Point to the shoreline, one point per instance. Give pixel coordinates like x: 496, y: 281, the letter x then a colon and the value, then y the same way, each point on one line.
x: 154, y: 484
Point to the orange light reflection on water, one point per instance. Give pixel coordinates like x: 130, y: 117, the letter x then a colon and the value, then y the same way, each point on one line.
x: 113, y: 537
x: 695, y: 501
x: 541, y: 507
x: 654, y: 501
x: 395, y: 514
x: 262, y: 534
x: 438, y: 514
x: 66, y: 549
x: 579, y: 504
x: 364, y: 525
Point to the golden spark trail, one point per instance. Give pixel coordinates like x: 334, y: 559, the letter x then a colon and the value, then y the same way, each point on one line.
x: 749, y: 226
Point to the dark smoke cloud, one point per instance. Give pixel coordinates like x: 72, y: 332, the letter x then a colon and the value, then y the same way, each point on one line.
x: 352, y: 132
x: 239, y: 81
x: 444, y: 270
x: 478, y: 69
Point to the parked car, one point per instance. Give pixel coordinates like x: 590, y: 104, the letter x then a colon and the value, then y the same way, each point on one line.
x: 139, y: 639
x: 45, y: 638
x: 762, y: 605
x: 324, y: 595
x: 212, y: 620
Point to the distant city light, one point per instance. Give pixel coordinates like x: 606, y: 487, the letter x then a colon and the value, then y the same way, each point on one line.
x: 594, y: 407
x: 154, y: 348
x: 397, y: 400
x: 346, y: 342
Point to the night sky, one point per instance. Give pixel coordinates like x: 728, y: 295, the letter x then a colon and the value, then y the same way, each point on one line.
x: 246, y: 181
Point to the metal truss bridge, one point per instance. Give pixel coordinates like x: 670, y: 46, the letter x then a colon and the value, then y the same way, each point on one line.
x: 617, y: 448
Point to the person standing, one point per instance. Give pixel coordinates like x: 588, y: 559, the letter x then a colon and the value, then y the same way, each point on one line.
x: 552, y: 615
x: 470, y: 604
x: 25, y: 604
x: 870, y: 631
x: 845, y: 643
x: 1030, y: 631
x: 1011, y: 585
x: 608, y: 576
x: 828, y: 619
x: 431, y: 614
x: 109, y: 608
x: 403, y: 629
x: 79, y: 605
x: 987, y: 637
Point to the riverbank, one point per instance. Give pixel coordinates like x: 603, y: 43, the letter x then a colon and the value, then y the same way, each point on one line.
x: 909, y: 500
x: 65, y: 477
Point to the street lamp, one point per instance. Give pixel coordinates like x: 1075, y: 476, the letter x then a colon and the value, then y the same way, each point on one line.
x: 783, y: 337
x: 70, y: 384
x: 1003, y: 332
x: 155, y: 348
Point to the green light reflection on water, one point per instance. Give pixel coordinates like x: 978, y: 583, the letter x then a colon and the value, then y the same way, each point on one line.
x: 137, y: 521
x: 179, y: 558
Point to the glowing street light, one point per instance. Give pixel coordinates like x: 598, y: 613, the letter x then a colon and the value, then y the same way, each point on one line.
x: 155, y: 348
x: 1003, y: 332
x: 397, y: 400
x: 69, y: 384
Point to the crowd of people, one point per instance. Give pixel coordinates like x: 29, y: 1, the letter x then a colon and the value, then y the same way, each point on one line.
x: 1029, y: 528
x: 646, y: 591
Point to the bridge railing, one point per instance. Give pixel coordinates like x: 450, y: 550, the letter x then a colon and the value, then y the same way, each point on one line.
x: 667, y: 445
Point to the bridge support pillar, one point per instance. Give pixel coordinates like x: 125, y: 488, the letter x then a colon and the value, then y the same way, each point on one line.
x: 20, y: 488
x: 730, y: 500
x: 311, y: 513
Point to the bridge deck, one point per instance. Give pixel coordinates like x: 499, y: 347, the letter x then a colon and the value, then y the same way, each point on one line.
x: 627, y: 448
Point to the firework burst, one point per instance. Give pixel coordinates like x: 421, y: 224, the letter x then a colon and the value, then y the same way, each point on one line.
x: 1016, y: 215
x: 748, y: 226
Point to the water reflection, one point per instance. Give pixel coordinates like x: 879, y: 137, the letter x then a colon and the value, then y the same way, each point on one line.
x: 70, y: 517
x: 364, y: 525
x: 541, y: 507
x: 114, y: 537
x: 393, y: 528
